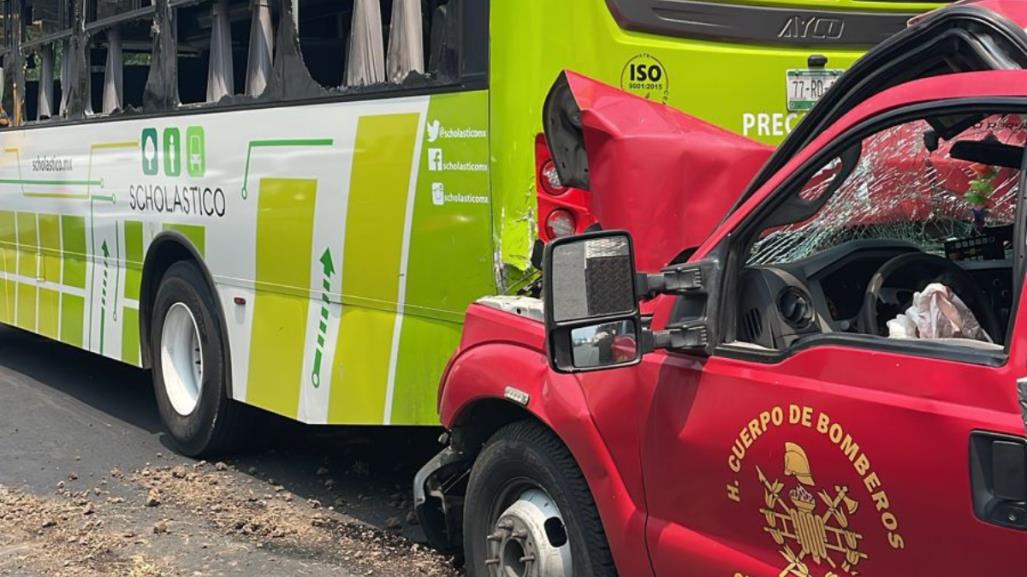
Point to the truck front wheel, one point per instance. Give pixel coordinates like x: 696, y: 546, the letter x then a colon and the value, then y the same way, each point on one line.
x: 528, y: 510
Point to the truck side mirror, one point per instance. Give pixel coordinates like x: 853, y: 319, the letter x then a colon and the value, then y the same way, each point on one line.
x: 592, y: 317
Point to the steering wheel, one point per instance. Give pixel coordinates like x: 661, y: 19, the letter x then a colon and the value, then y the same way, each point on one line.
x: 925, y: 269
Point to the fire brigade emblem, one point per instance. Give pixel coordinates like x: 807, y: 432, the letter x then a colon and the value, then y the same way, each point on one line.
x: 811, y: 526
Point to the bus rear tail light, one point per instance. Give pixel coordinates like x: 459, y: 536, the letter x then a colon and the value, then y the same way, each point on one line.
x: 550, y: 179
x: 560, y: 223
x: 562, y: 210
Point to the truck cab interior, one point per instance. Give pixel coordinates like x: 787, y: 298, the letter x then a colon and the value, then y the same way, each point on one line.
x: 906, y: 235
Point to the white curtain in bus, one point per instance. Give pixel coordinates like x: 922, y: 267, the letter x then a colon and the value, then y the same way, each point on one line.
x: 113, y: 81
x: 220, y: 80
x: 45, y: 108
x: 66, y: 59
x: 258, y: 64
x: 406, y: 43
x: 89, y: 82
x: 366, y: 63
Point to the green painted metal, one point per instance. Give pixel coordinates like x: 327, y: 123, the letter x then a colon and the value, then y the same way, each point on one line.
x: 456, y: 222
x: 532, y: 42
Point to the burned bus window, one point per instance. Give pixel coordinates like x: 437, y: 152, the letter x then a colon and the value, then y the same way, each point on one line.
x: 193, y: 25
x: 118, y: 55
x: 39, y: 84
x: 386, y: 43
x: 46, y: 17
x: 46, y: 24
x: 259, y: 53
x: 114, y: 9
x: 46, y: 76
x: 225, y: 48
x: 119, y: 60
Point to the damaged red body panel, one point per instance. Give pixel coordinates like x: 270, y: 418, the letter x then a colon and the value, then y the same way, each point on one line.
x: 829, y: 452
x: 667, y: 177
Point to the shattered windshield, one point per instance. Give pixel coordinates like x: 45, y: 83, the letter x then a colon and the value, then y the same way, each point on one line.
x: 902, y: 190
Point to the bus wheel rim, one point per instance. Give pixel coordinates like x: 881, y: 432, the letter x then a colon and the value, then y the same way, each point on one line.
x: 181, y: 354
x: 529, y: 539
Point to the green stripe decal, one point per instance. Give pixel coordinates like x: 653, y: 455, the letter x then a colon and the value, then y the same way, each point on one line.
x: 133, y: 258
x: 285, y: 231
x: 50, y: 242
x: 49, y: 311
x: 73, y: 233
x: 379, y: 186
x: 9, y: 261
x: 130, y: 336
x: 73, y: 316
x: 27, y: 306
x: 51, y: 182
x: 27, y: 243
x: 438, y: 289
x: 28, y: 267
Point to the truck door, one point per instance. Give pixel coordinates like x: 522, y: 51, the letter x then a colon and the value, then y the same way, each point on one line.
x: 818, y: 439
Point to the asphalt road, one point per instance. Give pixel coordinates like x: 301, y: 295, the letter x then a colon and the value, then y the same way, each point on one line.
x: 90, y: 486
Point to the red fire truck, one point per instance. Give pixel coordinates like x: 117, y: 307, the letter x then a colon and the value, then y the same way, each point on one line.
x: 810, y: 362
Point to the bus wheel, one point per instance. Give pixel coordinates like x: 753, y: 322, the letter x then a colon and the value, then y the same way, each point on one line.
x: 189, y: 366
x: 528, y: 511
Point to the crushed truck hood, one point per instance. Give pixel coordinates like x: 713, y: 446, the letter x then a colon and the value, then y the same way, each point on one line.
x: 667, y: 177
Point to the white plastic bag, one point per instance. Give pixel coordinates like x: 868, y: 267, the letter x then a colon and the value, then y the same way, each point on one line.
x: 937, y: 313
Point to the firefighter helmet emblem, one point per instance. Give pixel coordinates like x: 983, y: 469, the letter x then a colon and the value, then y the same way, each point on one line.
x: 808, y: 536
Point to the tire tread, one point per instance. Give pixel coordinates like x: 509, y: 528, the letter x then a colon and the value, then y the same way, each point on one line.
x: 230, y: 425
x: 538, y: 438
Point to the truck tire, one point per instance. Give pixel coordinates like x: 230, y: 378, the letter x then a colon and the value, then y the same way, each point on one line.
x: 190, y: 369
x: 529, y: 512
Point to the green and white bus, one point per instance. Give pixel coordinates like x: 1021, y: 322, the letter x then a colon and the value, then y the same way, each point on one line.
x: 289, y: 204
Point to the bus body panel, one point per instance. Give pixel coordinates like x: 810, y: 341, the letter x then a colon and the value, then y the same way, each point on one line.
x: 355, y: 233
x: 738, y: 87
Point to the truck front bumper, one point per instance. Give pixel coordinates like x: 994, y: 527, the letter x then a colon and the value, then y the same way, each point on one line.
x: 439, y: 500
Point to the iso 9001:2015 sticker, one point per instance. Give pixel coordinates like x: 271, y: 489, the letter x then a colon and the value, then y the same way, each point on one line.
x: 646, y: 76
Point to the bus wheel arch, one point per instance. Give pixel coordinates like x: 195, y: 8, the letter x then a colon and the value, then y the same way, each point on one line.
x: 186, y: 348
x: 166, y: 249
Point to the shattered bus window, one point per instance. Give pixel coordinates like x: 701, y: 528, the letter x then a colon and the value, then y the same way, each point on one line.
x: 902, y: 190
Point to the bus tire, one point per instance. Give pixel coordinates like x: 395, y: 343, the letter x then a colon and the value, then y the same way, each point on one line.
x: 190, y: 369
x: 527, y: 498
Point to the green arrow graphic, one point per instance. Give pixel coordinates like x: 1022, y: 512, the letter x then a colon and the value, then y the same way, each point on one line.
x: 326, y: 262
x: 326, y: 284
x: 103, y: 292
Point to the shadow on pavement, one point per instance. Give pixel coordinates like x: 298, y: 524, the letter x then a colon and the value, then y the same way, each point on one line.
x: 122, y: 391
x: 365, y: 472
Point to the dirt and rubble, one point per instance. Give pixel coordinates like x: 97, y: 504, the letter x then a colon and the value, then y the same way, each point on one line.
x: 90, y: 485
x: 143, y: 523
x: 269, y: 516
x: 66, y: 536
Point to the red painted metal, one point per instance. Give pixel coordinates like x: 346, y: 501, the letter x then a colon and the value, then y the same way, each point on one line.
x: 1013, y: 10
x: 695, y: 463
x: 667, y: 177
x: 501, y: 350
x: 910, y: 417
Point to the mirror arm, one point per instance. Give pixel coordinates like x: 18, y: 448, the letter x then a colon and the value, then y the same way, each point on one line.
x: 686, y: 337
x: 690, y: 335
x: 679, y: 280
